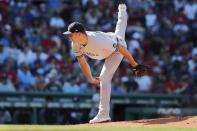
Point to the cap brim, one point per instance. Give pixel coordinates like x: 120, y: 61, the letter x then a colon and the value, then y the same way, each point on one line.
x: 67, y: 33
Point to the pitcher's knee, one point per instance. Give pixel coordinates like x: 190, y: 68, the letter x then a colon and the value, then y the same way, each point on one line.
x: 105, y: 78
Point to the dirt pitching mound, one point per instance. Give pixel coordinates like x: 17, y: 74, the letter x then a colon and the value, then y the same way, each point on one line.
x: 179, y: 122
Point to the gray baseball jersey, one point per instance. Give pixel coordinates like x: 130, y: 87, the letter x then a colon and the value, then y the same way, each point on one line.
x: 100, y: 45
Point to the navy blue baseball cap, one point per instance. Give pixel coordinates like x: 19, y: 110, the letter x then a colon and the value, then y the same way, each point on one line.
x: 75, y: 27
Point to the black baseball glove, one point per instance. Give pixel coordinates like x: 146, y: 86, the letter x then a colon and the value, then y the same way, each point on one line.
x: 140, y: 70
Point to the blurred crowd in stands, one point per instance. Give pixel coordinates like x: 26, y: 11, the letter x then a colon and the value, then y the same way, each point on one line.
x: 35, y: 56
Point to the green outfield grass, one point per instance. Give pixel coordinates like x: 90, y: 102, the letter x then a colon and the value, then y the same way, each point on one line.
x: 85, y: 128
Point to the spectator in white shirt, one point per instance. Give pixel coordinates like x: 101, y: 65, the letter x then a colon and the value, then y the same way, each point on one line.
x: 178, y: 4
x: 190, y: 9
x: 194, y: 51
x: 134, y: 43
x: 71, y: 87
x: 26, y: 56
x: 26, y: 79
x: 180, y: 27
x: 3, y: 53
x: 144, y: 83
x: 92, y: 16
x: 5, y: 84
x: 192, y: 64
x: 177, y: 57
x: 56, y: 21
x: 150, y: 18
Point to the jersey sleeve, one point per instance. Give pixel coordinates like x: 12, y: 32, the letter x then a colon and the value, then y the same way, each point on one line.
x: 76, y: 49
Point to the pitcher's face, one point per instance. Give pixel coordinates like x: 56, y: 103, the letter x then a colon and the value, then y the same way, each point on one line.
x: 78, y: 37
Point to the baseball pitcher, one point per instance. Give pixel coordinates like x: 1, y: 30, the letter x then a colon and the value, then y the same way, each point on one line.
x: 100, y: 45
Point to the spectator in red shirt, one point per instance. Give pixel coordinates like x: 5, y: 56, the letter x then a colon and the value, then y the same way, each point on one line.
x: 171, y: 84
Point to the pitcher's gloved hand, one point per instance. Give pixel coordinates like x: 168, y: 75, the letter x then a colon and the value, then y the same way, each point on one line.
x: 140, y: 70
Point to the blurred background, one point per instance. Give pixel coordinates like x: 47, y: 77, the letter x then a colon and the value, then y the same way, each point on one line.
x: 40, y: 79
